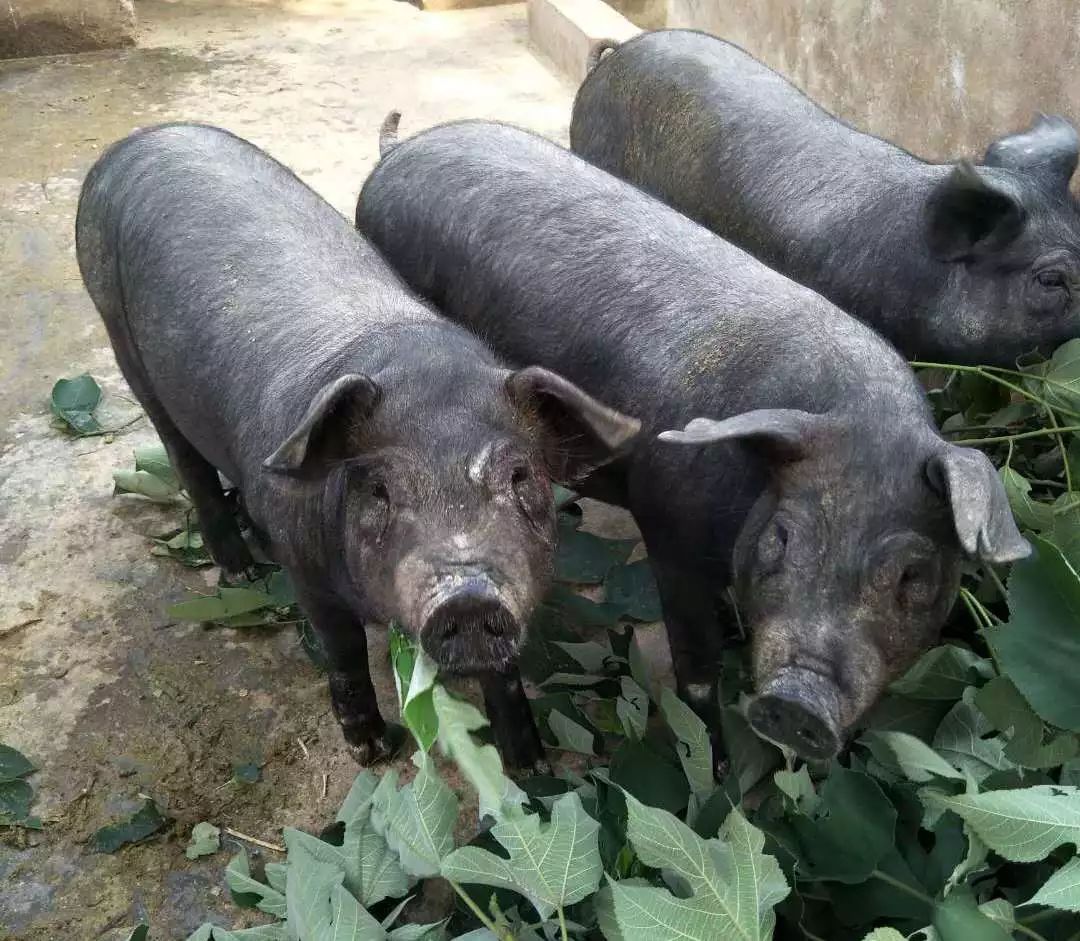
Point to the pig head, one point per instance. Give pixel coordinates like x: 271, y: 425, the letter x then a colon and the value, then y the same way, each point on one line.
x: 850, y: 560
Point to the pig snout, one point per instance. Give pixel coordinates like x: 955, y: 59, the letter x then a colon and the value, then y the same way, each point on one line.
x: 800, y: 709
x: 469, y: 628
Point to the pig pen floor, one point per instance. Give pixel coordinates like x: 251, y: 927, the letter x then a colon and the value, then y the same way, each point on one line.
x: 109, y: 700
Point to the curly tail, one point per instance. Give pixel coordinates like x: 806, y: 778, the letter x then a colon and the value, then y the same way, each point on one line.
x: 388, y: 133
x: 597, y: 53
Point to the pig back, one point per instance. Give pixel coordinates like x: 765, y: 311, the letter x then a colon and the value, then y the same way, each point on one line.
x: 236, y: 290
x: 555, y: 262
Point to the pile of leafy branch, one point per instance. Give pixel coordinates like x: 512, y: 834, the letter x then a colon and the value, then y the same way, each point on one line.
x: 954, y: 815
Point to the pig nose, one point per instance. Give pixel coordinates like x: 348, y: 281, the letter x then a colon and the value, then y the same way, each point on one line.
x: 468, y: 629
x: 795, y: 720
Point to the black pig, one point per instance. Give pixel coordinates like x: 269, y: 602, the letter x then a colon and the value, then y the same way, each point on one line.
x: 391, y: 464
x: 809, y: 475
x: 953, y: 262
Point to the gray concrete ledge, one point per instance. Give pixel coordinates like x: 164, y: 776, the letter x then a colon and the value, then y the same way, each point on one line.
x: 566, y: 30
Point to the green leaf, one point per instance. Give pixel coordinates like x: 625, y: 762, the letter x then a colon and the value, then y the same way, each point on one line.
x: 1028, y: 512
x: 963, y: 740
x: 145, y: 485
x: 205, y: 840
x: 319, y: 908
x: 1062, y: 390
x: 246, y: 772
x: 1040, y: 646
x: 584, y: 559
x: 1062, y: 889
x: 852, y: 830
x: 569, y: 735
x: 958, y: 918
x: 553, y: 864
x: 591, y: 656
x: 942, y: 673
x: 259, y: 933
x: 693, y: 745
x: 480, y: 764
x: 884, y: 934
x: 731, y: 885
x: 750, y: 758
x: 917, y: 760
x: 633, y: 588
x: 650, y: 776
x: 139, y: 933
x: 797, y: 786
x: 417, y: 821
x: 227, y: 603
x: 142, y: 825
x: 154, y: 459
x: 414, y: 677
x: 1022, y: 825
x: 632, y: 708
x: 1001, y: 702
x: 74, y: 401
x: 13, y: 764
x: 250, y: 893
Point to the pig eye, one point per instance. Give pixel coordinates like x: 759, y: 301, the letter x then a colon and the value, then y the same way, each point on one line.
x: 519, y: 475
x: 916, y: 586
x: 772, y: 546
x: 1052, y: 280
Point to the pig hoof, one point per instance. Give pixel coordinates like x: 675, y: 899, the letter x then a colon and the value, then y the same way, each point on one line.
x: 378, y: 748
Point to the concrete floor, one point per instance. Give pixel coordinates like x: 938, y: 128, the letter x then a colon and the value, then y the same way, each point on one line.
x: 105, y: 699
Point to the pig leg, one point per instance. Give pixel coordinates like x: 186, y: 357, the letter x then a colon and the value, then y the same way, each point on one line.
x: 512, y: 721
x: 352, y: 695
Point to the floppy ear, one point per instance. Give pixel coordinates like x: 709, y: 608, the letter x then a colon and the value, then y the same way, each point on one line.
x: 1048, y: 149
x: 786, y: 432
x: 968, y: 215
x: 578, y: 434
x: 311, y: 436
x: 984, y: 523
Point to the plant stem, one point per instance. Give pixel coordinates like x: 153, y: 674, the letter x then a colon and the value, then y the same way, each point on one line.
x: 478, y: 912
x: 1024, y: 929
x: 903, y: 887
x: 1064, y: 451
x: 562, y: 925
x: 990, y: 373
x: 978, y: 613
x: 998, y: 583
x: 998, y: 439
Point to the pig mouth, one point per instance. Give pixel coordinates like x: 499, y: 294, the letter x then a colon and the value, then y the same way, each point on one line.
x: 800, y: 708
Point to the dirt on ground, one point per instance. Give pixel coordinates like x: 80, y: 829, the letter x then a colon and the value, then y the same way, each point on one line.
x: 110, y: 700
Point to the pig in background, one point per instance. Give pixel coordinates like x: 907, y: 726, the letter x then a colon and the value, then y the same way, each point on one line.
x: 954, y: 263
x: 809, y: 475
x: 385, y: 457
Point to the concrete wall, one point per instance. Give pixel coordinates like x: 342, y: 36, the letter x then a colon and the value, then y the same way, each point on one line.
x: 46, y: 27
x: 566, y: 30
x: 940, y: 77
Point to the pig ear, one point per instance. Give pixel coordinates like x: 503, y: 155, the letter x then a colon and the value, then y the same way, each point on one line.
x: 787, y: 432
x: 359, y: 393
x: 578, y: 433
x: 984, y: 523
x: 967, y: 215
x: 1048, y: 149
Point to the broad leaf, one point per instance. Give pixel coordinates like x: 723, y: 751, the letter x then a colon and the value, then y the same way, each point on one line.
x: 552, y: 864
x: 731, y: 886
x: 1062, y: 889
x: 141, y: 825
x: 963, y: 739
x: 414, y: 677
x: 418, y: 820
x: 1028, y: 512
x: 481, y: 764
x: 917, y: 760
x: 13, y: 764
x: 958, y: 918
x: 1021, y: 825
x: 693, y: 745
x: 319, y: 908
x: 250, y: 892
x: 1040, y: 646
x: 633, y: 588
x: 1001, y: 702
x: 632, y: 708
x: 585, y: 559
x: 1062, y: 386
x: 74, y: 400
x: 570, y: 735
x: 942, y: 673
x: 227, y: 603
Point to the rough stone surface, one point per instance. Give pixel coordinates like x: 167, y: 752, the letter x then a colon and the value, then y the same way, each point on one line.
x: 940, y: 78
x: 566, y: 30
x: 107, y: 697
x: 46, y: 27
